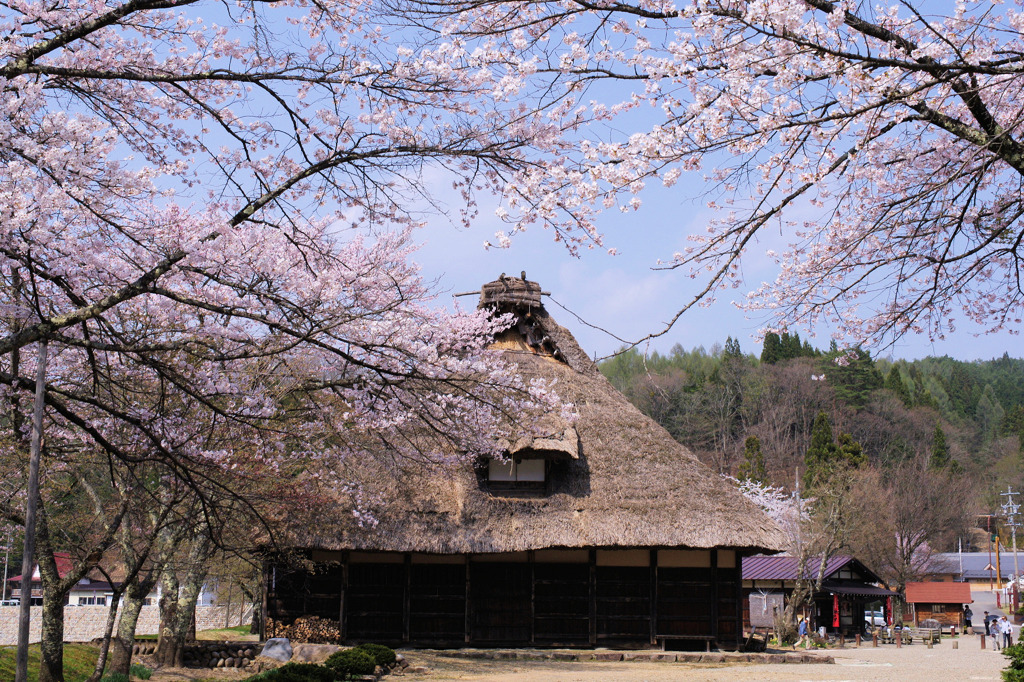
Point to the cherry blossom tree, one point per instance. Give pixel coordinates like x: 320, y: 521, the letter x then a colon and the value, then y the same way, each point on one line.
x: 881, y: 139
x: 816, y: 529
x: 207, y: 217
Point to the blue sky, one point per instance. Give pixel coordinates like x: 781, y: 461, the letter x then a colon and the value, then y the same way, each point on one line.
x: 625, y: 296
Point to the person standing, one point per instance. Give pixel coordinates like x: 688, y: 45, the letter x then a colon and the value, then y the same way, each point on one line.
x: 1006, y: 630
x: 968, y: 615
x: 993, y: 633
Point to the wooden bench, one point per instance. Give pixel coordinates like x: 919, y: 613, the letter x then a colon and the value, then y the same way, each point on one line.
x: 926, y: 634
x: 886, y: 636
x: 708, y: 640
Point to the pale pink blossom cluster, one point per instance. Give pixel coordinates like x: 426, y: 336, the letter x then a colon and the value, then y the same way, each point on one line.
x: 787, y: 509
x: 207, y: 209
x: 883, y: 141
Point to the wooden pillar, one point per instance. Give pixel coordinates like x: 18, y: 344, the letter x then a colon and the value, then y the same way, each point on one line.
x: 469, y: 609
x: 654, y: 596
x: 592, y: 560
x: 531, y: 558
x: 739, y: 598
x: 343, y: 614
x: 407, y: 598
x: 715, y: 587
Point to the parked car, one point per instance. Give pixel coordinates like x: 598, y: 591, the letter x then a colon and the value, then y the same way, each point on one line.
x: 874, y: 618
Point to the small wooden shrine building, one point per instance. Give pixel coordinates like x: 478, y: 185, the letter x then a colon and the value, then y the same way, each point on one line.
x: 603, y: 531
x: 847, y: 588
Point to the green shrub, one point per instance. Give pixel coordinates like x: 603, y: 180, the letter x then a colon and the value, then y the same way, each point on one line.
x: 114, y: 677
x: 382, y: 655
x: 140, y: 671
x: 351, y: 662
x: 1015, y: 671
x: 296, y: 672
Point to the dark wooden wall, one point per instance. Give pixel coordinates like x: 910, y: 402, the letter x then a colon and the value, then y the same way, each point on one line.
x: 519, y: 603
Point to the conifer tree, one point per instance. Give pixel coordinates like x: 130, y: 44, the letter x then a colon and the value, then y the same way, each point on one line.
x: 821, y: 452
x: 825, y: 457
x: 772, y: 350
x: 752, y: 468
x: 790, y: 344
x: 732, y: 349
x: 850, y: 452
x: 940, y: 451
x: 894, y: 382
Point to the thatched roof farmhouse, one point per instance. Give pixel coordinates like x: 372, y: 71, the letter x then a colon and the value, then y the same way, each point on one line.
x: 602, y: 530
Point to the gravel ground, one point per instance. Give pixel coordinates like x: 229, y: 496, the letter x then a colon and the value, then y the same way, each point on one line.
x: 886, y: 663
x: 914, y: 663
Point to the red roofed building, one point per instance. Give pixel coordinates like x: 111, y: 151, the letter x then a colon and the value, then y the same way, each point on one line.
x: 92, y: 589
x: 942, y: 602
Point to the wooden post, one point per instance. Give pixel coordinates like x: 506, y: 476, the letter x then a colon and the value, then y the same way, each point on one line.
x: 738, y: 572
x: 858, y: 641
x: 714, y: 596
x: 929, y: 642
x: 593, y: 596
x: 227, y: 610
x: 653, y: 561
x: 469, y: 610
x: 407, y: 601
x: 956, y: 644
x: 532, y: 558
x: 342, y: 611
x: 31, y: 505
x: 874, y: 638
x: 899, y: 639
x: 982, y: 641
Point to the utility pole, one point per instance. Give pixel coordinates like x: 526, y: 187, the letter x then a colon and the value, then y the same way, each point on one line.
x: 1010, y: 510
x: 988, y: 531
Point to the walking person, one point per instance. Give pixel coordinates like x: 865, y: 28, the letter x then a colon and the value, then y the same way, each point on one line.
x: 993, y: 633
x: 1007, y: 631
x: 801, y: 629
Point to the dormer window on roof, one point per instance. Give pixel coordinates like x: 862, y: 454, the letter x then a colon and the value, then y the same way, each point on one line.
x: 530, y: 463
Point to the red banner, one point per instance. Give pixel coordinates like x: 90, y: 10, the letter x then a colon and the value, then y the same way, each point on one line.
x: 835, y: 610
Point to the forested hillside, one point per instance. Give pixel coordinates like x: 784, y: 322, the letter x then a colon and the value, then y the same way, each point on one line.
x: 964, y: 418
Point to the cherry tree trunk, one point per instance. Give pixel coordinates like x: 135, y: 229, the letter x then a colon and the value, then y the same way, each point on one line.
x: 121, y: 644
x: 168, y: 648
x: 51, y: 665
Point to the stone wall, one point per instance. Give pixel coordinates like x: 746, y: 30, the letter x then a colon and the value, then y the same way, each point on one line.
x: 85, y: 623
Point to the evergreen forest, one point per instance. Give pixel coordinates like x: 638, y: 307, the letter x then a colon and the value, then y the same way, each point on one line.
x: 788, y: 414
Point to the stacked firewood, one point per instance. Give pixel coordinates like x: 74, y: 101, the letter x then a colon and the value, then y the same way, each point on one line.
x: 309, y: 629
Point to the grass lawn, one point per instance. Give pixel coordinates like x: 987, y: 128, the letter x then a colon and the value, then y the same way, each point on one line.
x: 79, y: 661
x: 235, y: 634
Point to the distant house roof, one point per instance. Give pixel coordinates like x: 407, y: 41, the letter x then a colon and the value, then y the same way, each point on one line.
x: 938, y: 593
x: 786, y: 567
x: 975, y: 565
x: 64, y: 564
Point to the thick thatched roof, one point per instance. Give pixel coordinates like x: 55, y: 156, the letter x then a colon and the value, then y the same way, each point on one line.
x: 622, y: 480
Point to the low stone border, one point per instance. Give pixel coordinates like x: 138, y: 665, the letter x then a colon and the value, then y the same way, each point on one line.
x: 645, y: 656
x: 221, y: 654
x: 210, y: 654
